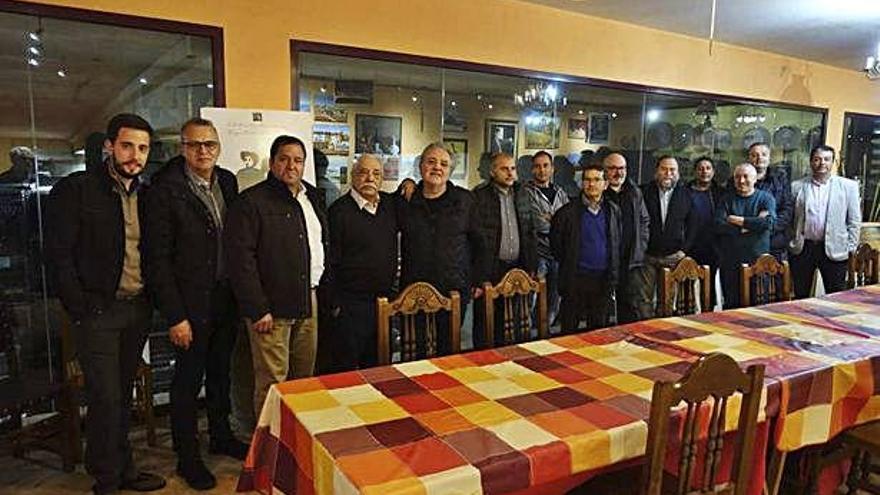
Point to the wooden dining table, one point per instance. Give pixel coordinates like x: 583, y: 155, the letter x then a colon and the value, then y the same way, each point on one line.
x: 543, y: 416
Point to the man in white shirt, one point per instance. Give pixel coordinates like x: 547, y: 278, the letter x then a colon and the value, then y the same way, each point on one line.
x: 827, y: 219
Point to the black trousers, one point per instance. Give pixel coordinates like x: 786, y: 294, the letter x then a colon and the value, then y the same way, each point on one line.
x: 588, y: 299
x: 208, y: 357
x: 355, y: 333
x: 813, y: 258
x: 109, y: 346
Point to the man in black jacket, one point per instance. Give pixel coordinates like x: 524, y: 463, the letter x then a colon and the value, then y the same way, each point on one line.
x: 585, y: 238
x: 672, y: 225
x: 274, y: 240
x: 93, y: 246
x: 186, y: 270
x: 507, y: 227
x: 361, y: 263
x: 441, y: 241
x: 705, y: 196
x: 633, y: 300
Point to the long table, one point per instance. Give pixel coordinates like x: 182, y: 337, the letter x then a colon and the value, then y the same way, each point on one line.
x: 533, y: 415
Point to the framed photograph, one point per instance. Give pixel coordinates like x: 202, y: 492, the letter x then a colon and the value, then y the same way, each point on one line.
x: 453, y: 121
x: 332, y: 139
x: 542, y: 132
x: 599, y: 127
x: 331, y: 113
x: 353, y: 92
x: 460, y: 148
x: 501, y: 136
x: 377, y: 134
x: 577, y: 129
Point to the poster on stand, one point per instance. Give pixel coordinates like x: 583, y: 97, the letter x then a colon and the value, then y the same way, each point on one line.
x: 247, y: 134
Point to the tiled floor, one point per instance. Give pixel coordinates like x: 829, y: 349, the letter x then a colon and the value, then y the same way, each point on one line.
x: 41, y: 474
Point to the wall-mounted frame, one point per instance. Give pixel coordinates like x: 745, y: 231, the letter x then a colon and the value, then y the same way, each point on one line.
x: 501, y: 136
x: 377, y: 134
x: 459, y: 148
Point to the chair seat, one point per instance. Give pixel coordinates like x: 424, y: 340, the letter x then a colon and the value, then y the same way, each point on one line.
x: 865, y: 437
x: 27, y: 391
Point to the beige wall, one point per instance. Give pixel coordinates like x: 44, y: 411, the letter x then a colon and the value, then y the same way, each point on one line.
x: 501, y: 32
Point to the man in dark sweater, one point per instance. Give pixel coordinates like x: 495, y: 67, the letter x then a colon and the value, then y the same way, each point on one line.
x: 705, y: 194
x: 672, y: 230
x: 585, y: 238
x: 744, y: 220
x: 362, y: 263
x: 633, y: 300
x: 507, y: 225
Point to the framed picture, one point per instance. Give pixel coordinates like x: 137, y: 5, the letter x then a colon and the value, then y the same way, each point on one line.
x: 331, y: 113
x: 332, y: 139
x: 501, y: 136
x: 460, y: 148
x: 542, y: 132
x: 453, y: 121
x: 577, y: 129
x: 377, y: 134
x: 353, y: 92
x: 599, y: 127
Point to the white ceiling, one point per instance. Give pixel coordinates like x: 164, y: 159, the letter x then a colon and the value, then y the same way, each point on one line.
x: 835, y: 32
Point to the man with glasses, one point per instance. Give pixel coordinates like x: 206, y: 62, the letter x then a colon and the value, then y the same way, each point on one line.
x: 827, y: 219
x: 361, y: 263
x: 633, y: 297
x: 274, y: 242
x: 186, y: 268
x: 93, y: 245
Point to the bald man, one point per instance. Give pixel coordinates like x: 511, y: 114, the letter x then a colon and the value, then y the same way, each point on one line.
x: 744, y: 220
x: 362, y: 263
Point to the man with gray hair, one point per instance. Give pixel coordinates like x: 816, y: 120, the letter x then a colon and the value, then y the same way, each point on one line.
x: 362, y: 263
x: 744, y: 221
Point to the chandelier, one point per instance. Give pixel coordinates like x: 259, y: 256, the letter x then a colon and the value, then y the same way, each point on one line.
x: 540, y: 95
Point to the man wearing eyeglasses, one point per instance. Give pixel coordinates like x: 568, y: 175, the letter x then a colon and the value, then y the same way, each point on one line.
x: 187, y: 275
x: 361, y: 263
x: 274, y: 240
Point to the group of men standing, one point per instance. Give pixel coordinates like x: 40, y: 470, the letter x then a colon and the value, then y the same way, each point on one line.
x: 210, y: 258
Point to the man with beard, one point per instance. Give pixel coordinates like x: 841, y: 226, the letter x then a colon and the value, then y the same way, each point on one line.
x: 633, y: 299
x: 672, y: 230
x: 827, y: 219
x: 705, y: 194
x: 186, y: 213
x: 94, y: 249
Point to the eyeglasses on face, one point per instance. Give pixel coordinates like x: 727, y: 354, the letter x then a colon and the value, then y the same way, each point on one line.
x: 211, y: 146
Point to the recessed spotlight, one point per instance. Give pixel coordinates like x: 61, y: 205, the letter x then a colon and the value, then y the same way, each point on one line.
x: 653, y: 115
x: 613, y: 115
x: 491, y: 106
x: 34, y: 51
x: 580, y: 112
x: 142, y: 80
x: 323, y: 88
x: 61, y: 73
x: 33, y: 36
x: 479, y: 97
x: 33, y: 62
x: 453, y: 103
x: 210, y: 85
x: 415, y: 98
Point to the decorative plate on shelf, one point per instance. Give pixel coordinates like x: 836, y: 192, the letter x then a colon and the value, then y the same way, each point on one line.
x: 787, y: 137
x: 659, y: 135
x: 683, y: 136
x: 755, y: 135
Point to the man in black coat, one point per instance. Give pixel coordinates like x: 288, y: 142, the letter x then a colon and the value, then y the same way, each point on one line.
x: 633, y: 301
x: 672, y: 225
x: 440, y: 238
x: 705, y: 196
x: 274, y: 240
x: 93, y: 245
x: 186, y: 271
x: 585, y: 238
x: 507, y: 226
x: 361, y: 263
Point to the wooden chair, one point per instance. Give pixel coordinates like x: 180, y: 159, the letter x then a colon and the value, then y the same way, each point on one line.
x: 38, y: 394
x: 418, y: 306
x: 719, y: 377
x: 515, y: 290
x: 678, y: 289
x: 772, y: 281
x: 142, y: 405
x: 863, y: 267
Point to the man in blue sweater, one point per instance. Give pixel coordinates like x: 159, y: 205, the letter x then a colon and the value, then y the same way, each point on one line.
x: 744, y: 220
x: 585, y: 238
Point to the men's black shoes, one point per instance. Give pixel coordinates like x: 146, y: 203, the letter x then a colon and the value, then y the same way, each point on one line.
x: 196, y: 474
x: 143, y: 482
x: 231, y: 447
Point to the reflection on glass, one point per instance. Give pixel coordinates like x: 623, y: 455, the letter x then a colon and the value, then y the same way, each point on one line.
x: 860, y: 160
x: 61, y: 81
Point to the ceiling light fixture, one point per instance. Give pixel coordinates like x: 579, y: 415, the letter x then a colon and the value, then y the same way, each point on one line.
x: 143, y: 80
x: 62, y: 73
x: 33, y: 62
x: 210, y: 85
x: 34, y: 36
x: 872, y: 65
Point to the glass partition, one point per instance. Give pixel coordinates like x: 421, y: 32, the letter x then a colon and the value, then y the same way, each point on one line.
x: 860, y: 159
x: 61, y: 81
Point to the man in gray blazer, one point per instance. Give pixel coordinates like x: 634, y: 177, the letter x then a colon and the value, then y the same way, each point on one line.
x: 827, y: 219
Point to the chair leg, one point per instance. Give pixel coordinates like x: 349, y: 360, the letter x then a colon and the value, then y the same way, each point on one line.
x: 144, y: 393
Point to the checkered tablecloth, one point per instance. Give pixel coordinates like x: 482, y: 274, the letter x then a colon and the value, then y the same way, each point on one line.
x: 506, y: 419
